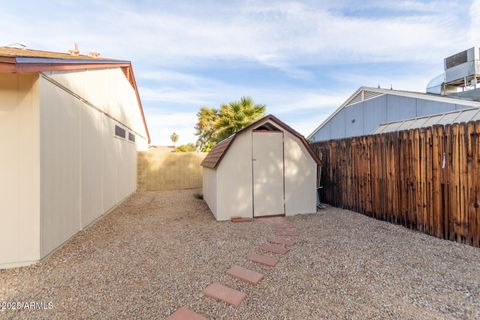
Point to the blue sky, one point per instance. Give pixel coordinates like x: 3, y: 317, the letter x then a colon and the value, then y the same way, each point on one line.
x: 300, y: 58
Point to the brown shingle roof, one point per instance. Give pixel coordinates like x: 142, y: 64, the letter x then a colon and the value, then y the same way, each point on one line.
x: 9, y: 52
x: 215, y: 156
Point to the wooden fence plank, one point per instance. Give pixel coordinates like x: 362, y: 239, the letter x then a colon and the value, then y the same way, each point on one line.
x: 425, y: 179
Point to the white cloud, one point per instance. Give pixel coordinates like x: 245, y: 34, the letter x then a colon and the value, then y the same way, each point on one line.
x: 176, y: 96
x: 283, y: 35
x: 474, y: 32
x: 162, y: 38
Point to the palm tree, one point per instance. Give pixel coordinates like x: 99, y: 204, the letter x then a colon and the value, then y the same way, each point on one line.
x: 205, y: 128
x: 237, y: 115
x: 174, y: 138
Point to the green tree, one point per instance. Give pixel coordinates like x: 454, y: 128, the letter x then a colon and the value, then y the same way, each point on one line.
x: 174, y: 138
x: 205, y: 129
x: 189, y: 147
x: 215, y: 125
x: 237, y: 115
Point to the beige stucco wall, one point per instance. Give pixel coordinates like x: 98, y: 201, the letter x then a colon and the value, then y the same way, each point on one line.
x: 19, y: 170
x: 86, y: 170
x: 107, y: 89
x: 233, y: 187
x: 159, y: 170
x: 209, y: 188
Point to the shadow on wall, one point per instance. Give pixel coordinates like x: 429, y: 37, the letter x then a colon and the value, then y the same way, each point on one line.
x: 169, y: 171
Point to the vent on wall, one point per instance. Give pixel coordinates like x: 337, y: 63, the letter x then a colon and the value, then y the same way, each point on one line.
x: 456, y: 59
x: 363, y: 95
x: 370, y: 94
x: 357, y: 98
x: 120, y: 132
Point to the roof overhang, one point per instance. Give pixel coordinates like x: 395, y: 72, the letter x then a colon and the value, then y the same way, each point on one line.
x: 32, y: 65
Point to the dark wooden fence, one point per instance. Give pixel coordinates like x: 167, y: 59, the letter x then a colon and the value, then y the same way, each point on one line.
x: 424, y: 179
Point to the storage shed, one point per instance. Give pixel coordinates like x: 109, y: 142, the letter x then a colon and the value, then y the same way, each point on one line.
x: 265, y: 169
x: 71, y: 126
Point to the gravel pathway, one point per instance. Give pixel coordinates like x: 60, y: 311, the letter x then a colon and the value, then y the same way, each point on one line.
x: 159, y: 250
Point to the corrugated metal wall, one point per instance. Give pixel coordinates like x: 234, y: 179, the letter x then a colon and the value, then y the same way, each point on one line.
x: 364, y: 117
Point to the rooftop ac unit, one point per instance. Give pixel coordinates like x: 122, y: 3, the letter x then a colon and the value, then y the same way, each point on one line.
x: 462, y: 67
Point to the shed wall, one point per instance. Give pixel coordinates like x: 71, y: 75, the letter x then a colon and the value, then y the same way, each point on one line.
x: 210, y: 189
x: 234, y: 180
x: 19, y: 170
x: 300, y: 178
x: 228, y: 190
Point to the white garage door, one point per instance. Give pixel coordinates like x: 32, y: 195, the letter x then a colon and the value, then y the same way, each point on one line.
x: 268, y: 182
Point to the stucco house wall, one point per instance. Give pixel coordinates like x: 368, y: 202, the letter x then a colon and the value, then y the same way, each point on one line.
x: 65, y: 132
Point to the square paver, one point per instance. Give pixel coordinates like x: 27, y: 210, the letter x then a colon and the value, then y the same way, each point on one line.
x: 288, y: 233
x: 245, y: 274
x: 184, y: 313
x: 274, y: 248
x: 283, y: 241
x: 266, y: 260
x: 223, y: 293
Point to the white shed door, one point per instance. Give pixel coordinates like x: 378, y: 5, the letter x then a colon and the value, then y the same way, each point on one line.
x: 268, y: 190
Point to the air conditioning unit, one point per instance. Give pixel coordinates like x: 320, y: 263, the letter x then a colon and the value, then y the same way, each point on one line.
x: 463, y: 67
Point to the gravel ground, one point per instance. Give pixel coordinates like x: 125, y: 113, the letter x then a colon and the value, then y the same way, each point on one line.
x: 159, y: 250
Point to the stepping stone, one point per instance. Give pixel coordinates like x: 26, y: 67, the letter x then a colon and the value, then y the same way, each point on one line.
x: 223, y: 293
x: 241, y: 219
x: 288, y: 233
x: 184, y: 313
x: 245, y: 274
x: 274, y: 248
x: 266, y: 260
x: 286, y: 242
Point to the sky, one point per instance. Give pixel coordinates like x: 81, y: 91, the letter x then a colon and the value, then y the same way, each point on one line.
x: 301, y: 59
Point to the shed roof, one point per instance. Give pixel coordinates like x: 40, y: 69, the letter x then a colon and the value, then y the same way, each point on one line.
x: 458, y: 116
x: 215, y: 156
x: 16, y: 60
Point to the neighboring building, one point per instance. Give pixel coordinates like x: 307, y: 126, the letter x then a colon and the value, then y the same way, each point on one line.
x: 368, y: 108
x: 264, y: 169
x: 459, y: 116
x: 71, y: 126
